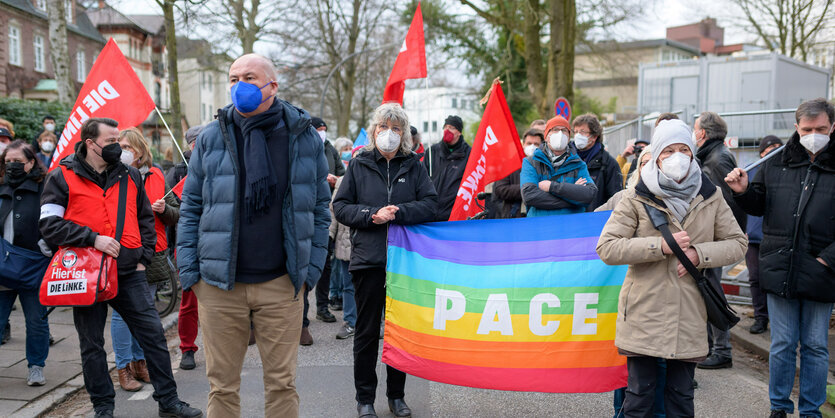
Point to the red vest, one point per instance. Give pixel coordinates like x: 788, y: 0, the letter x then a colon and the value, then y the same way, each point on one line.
x: 88, y: 206
x: 155, y: 189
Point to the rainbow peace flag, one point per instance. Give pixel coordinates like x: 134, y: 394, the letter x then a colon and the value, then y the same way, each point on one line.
x: 514, y: 304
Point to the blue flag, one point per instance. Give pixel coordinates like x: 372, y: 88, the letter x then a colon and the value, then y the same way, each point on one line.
x: 362, y: 138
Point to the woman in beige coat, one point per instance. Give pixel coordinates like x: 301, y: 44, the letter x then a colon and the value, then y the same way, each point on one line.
x: 661, y: 313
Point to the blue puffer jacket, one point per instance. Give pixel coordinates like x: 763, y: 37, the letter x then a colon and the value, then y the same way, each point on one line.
x: 208, y: 229
x: 564, y: 196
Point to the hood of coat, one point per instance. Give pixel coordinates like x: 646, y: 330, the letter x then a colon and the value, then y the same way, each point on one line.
x: 571, y: 163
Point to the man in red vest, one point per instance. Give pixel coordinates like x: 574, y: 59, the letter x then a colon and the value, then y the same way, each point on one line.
x: 79, y: 208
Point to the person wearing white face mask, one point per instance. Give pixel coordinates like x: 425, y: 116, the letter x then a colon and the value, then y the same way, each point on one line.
x: 46, y: 146
x: 650, y: 327
x: 603, y: 168
x: 555, y: 180
x: 793, y: 192
x: 385, y: 183
x: 508, y: 189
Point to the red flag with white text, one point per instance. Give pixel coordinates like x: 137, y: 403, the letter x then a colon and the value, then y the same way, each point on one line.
x: 112, y: 90
x: 496, y: 154
x: 410, y: 63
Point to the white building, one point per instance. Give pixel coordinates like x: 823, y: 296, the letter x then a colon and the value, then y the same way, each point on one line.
x: 202, y: 76
x: 429, y: 107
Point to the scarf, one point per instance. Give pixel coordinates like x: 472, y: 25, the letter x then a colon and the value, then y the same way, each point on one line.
x: 258, y: 171
x: 556, y: 161
x: 676, y: 196
x: 590, y: 153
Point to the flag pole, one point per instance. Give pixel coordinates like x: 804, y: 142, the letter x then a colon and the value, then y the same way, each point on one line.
x: 174, y: 140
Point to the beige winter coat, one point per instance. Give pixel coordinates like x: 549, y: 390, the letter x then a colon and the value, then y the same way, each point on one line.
x: 659, y: 313
x: 340, y: 233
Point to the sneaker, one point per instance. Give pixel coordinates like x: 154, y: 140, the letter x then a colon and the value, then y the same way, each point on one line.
x: 36, y: 376
x: 7, y: 334
x: 325, y: 316
x: 187, y: 361
x: 715, y: 361
x: 777, y: 414
x: 345, y: 332
x: 759, y: 327
x: 180, y: 410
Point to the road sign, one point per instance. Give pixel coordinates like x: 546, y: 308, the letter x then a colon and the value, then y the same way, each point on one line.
x: 563, y: 108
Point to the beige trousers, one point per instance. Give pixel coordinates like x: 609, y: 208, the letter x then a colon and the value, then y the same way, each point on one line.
x: 225, y: 317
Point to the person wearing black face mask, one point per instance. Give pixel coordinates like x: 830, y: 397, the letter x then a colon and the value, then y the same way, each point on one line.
x: 79, y: 208
x: 21, y: 184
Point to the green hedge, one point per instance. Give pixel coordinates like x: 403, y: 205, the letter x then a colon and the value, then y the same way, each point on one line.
x: 27, y: 115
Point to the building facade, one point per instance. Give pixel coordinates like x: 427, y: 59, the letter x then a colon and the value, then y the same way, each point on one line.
x: 429, y: 107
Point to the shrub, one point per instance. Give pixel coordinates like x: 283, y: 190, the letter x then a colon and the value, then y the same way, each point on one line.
x: 27, y: 115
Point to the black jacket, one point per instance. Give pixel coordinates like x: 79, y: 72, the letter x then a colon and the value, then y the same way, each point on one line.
x: 796, y: 199
x: 605, y: 172
x: 335, y: 165
x: 59, y: 231
x: 508, y: 191
x: 446, y: 168
x: 372, y: 183
x: 25, y: 202
x: 716, y: 162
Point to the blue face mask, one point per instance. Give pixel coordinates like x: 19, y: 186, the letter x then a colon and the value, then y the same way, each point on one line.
x: 346, y: 155
x: 247, y: 97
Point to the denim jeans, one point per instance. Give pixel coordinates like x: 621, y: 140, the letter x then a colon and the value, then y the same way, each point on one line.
x: 336, y: 279
x: 144, y: 323
x: 349, y: 304
x: 125, y: 347
x: 807, y: 322
x: 37, y: 327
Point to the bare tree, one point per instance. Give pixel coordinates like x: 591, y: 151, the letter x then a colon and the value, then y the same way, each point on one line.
x: 242, y: 22
x: 173, y: 73
x: 788, y: 26
x: 58, y: 50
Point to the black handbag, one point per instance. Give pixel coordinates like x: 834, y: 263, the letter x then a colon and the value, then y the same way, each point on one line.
x: 719, y: 312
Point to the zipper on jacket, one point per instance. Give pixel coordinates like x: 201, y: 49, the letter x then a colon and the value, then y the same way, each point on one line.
x: 388, y: 181
x: 805, y: 193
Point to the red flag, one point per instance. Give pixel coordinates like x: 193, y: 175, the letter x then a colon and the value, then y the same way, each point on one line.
x: 496, y: 154
x: 410, y: 63
x: 112, y: 90
x: 178, y: 188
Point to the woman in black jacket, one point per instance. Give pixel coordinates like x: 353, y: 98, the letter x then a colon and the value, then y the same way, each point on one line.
x: 21, y: 185
x: 384, y: 183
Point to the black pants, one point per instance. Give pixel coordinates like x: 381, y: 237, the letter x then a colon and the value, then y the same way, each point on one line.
x: 322, y: 288
x: 640, y: 388
x: 144, y: 323
x: 370, y: 294
x: 758, y: 298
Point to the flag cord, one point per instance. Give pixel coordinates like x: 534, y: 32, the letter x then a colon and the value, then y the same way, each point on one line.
x: 174, y: 140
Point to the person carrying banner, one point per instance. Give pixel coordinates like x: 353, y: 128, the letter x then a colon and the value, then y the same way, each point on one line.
x: 21, y: 185
x: 253, y: 234
x: 661, y: 312
x: 386, y: 183
x: 508, y: 189
x: 555, y: 180
x: 446, y: 162
x: 71, y: 215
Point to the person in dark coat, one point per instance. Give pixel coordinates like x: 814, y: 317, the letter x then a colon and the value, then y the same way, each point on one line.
x: 384, y: 184
x: 508, y: 190
x: 21, y: 185
x: 793, y: 192
x: 604, y: 170
x: 446, y: 162
x: 709, y: 131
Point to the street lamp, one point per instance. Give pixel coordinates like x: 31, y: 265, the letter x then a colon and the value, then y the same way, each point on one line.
x: 339, y: 64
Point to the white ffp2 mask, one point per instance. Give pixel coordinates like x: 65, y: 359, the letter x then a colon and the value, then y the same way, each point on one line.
x: 676, y: 166
x: 581, y: 141
x: 388, y: 141
x: 558, y: 141
x: 814, y: 142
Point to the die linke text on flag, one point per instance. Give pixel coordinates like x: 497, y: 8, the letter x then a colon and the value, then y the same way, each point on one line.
x: 410, y: 63
x: 112, y: 90
x: 496, y: 154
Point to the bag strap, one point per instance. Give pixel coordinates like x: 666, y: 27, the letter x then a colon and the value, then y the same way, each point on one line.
x: 123, y: 197
x: 659, y: 221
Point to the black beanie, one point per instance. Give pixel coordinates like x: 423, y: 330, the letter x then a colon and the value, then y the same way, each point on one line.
x: 317, y: 122
x: 455, y: 122
x: 769, y: 141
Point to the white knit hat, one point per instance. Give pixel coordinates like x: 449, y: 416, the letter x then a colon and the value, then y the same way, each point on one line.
x: 670, y: 132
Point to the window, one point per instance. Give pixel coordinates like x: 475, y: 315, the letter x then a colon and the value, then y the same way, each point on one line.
x: 434, y: 126
x: 80, y: 66
x: 454, y: 103
x: 14, y: 45
x: 425, y: 126
x: 68, y: 7
x: 42, y: 5
x: 38, y: 44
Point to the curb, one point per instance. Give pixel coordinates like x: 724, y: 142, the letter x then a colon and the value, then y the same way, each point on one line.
x: 57, y: 396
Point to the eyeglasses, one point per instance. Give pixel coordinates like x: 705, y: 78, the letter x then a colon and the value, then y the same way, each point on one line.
x: 584, y: 133
x: 560, y: 129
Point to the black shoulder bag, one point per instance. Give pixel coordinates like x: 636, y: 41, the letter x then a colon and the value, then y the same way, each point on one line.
x: 719, y: 312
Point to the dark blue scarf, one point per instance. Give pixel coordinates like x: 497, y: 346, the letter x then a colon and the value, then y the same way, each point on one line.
x: 258, y: 171
x: 590, y: 153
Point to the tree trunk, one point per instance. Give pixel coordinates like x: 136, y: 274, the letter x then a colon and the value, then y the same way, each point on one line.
x: 350, y: 80
x: 58, y: 50
x: 173, y: 73
x: 565, y: 60
x: 537, y: 78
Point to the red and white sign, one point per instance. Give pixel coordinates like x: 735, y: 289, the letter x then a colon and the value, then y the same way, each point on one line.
x: 112, y: 90
x: 410, y: 63
x: 496, y: 154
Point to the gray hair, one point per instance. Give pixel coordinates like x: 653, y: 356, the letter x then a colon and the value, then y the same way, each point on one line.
x: 713, y: 124
x: 810, y: 109
x: 341, y: 142
x: 390, y: 112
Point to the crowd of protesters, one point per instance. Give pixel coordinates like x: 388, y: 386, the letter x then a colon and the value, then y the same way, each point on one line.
x: 271, y: 210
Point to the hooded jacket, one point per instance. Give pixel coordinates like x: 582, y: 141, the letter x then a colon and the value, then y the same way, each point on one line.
x: 564, y: 197
x: 796, y: 198
x: 371, y: 183
x: 209, y: 215
x: 446, y: 169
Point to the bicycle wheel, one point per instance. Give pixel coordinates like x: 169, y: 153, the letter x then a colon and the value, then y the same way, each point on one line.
x: 167, y: 296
